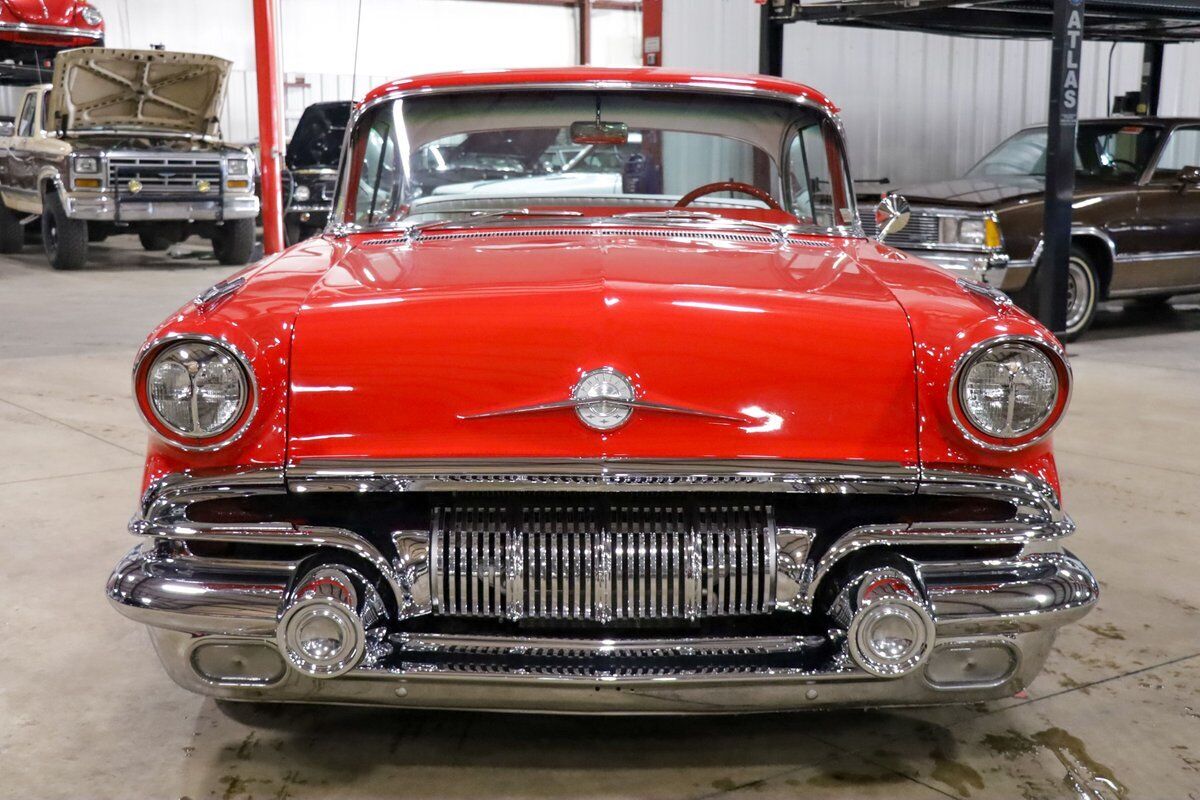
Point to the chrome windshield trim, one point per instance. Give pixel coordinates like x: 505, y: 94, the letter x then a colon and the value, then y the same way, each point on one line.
x: 341, y: 229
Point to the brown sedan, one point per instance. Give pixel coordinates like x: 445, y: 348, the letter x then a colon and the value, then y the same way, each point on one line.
x: 1135, y: 225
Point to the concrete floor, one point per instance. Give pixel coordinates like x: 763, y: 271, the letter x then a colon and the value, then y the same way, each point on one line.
x: 85, y: 710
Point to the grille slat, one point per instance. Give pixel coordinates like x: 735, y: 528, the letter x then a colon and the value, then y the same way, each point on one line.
x: 921, y: 229
x: 178, y: 175
x: 627, y: 563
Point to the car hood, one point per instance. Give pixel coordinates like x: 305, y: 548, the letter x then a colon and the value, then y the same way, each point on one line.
x: 431, y: 349
x: 44, y: 12
x: 99, y: 88
x: 983, y: 192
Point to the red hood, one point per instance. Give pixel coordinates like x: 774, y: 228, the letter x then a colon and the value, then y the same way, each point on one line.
x: 44, y: 12
x: 397, y: 343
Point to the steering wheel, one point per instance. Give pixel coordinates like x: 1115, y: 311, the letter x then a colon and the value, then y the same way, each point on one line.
x: 729, y: 186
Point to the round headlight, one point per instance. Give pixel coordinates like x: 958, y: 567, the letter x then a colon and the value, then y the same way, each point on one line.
x: 196, y: 389
x: 91, y: 15
x: 301, y: 193
x: 1008, y: 390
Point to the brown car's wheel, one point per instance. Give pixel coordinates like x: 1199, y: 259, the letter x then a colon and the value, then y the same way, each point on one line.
x: 233, y: 242
x: 65, y: 239
x: 1083, y: 293
x: 12, y: 232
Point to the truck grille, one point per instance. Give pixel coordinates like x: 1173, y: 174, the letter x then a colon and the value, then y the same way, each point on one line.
x: 921, y: 229
x: 165, y: 175
x: 603, y: 564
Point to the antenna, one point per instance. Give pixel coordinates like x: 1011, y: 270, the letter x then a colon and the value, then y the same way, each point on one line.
x: 357, y: 37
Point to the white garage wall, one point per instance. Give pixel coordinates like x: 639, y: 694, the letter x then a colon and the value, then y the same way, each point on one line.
x: 399, y: 37
x: 917, y: 106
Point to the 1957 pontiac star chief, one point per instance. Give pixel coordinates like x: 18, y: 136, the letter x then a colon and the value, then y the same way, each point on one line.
x: 696, y: 445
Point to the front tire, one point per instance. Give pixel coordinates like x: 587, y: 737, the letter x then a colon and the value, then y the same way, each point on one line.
x: 12, y: 232
x: 233, y: 242
x: 65, y: 239
x: 1083, y: 294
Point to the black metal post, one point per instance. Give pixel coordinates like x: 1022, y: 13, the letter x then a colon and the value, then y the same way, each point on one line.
x: 770, y: 43
x: 1152, y: 58
x: 1050, y: 278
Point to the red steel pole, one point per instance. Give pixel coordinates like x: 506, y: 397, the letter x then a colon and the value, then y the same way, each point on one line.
x: 270, y: 137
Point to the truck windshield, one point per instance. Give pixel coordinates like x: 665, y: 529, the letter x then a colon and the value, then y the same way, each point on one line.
x: 1112, y: 150
x: 447, y: 156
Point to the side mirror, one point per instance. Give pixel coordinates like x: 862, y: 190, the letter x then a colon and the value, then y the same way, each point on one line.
x: 1187, y: 175
x: 891, y: 215
x: 7, y: 128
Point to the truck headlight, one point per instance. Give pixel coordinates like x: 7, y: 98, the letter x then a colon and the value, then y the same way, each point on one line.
x: 237, y: 166
x: 301, y: 193
x: 1009, y: 392
x: 86, y: 165
x: 196, y: 389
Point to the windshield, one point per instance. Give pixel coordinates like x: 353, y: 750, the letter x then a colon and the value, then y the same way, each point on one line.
x: 1102, y: 150
x: 449, y: 156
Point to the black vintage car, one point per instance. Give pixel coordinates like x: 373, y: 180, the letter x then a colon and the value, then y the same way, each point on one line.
x: 311, y: 168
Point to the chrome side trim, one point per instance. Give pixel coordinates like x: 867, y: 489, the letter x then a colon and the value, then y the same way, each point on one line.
x: 1164, y: 256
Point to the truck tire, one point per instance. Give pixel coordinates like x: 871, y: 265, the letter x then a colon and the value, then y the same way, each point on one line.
x: 233, y: 242
x: 12, y: 232
x: 65, y: 239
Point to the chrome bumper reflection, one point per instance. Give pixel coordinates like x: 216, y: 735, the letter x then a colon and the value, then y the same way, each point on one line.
x: 104, y: 208
x: 1002, y: 613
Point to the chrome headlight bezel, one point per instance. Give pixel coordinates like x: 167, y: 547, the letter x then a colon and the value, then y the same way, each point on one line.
x: 301, y: 193
x: 238, y: 167
x: 86, y: 165
x: 1046, y: 423
x: 91, y: 15
x: 207, y: 440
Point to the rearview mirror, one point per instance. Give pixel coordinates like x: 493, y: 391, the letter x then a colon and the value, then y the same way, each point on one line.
x: 7, y: 128
x: 891, y: 215
x: 1190, y: 175
x: 597, y: 132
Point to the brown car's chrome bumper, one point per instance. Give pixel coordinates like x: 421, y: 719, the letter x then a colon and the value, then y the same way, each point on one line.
x: 218, y: 618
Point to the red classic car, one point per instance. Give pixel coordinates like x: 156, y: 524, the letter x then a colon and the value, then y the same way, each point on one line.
x: 682, y: 440
x: 32, y: 31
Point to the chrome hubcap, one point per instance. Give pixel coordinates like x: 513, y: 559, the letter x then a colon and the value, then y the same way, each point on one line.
x: 1079, y: 294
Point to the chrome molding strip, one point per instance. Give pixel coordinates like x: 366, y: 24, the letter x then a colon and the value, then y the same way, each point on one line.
x: 614, y: 401
x: 584, y: 648
x: 52, y: 30
x: 759, y: 475
x: 1170, y: 255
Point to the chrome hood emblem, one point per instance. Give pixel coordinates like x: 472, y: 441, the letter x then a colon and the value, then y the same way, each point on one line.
x: 604, y: 400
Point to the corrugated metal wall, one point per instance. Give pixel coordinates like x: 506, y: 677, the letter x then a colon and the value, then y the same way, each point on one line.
x: 399, y: 37
x: 917, y: 106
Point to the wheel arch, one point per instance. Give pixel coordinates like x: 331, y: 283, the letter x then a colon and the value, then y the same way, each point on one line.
x: 1100, y: 248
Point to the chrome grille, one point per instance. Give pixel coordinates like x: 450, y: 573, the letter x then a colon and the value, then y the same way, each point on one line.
x: 922, y: 229
x: 624, y: 563
x: 164, y: 174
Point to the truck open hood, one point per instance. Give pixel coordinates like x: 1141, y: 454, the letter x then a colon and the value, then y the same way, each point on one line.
x: 99, y: 88
x: 438, y: 349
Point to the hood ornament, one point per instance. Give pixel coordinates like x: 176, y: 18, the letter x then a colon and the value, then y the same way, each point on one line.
x: 604, y: 400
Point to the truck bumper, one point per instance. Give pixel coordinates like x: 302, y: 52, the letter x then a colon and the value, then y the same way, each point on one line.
x: 105, y: 208
x: 994, y: 269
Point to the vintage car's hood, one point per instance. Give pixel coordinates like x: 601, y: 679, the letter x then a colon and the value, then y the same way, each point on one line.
x: 317, y: 140
x: 44, y: 12
x: 98, y: 88
x: 416, y: 350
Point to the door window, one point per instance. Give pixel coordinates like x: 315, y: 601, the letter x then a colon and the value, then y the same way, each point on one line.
x: 25, y: 121
x: 1182, y: 150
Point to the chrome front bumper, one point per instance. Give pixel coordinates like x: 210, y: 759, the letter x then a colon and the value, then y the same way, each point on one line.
x: 1005, y: 610
x: 104, y: 208
x: 215, y: 621
x: 994, y: 269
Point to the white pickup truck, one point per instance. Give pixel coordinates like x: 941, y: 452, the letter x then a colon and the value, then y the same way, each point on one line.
x: 126, y: 141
